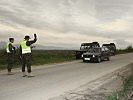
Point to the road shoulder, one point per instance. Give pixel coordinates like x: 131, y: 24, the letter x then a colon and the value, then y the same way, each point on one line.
x: 100, y: 88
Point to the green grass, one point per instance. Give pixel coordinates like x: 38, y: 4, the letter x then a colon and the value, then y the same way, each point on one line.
x: 54, y: 56
x: 113, y: 96
x: 129, y: 49
x: 128, y: 85
x: 40, y: 57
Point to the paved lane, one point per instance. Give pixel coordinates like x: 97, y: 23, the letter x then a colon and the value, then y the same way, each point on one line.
x: 58, y: 79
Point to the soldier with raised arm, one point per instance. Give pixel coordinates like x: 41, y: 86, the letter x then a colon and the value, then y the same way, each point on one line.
x: 25, y: 51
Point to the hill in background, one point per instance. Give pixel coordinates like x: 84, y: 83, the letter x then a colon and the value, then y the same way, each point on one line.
x: 36, y: 47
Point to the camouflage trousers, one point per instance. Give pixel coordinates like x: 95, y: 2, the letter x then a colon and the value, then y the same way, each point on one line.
x: 10, y: 62
x: 26, y: 62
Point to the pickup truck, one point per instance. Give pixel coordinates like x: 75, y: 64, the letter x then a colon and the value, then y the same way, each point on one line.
x: 84, y: 47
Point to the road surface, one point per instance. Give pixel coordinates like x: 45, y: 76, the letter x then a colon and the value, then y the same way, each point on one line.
x: 55, y: 80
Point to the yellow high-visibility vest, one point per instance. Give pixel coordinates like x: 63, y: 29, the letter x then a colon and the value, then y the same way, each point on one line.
x: 25, y: 48
x: 7, y: 47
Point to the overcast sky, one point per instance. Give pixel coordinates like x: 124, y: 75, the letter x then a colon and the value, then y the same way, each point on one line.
x: 68, y: 22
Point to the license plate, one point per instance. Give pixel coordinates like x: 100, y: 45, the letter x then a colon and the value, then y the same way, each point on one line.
x: 87, y: 58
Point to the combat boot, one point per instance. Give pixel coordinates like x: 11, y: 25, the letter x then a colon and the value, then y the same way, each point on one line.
x: 30, y: 75
x: 10, y: 73
x: 24, y: 74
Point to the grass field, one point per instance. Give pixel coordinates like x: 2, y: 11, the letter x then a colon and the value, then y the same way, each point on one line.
x: 40, y: 57
x: 52, y: 56
x: 129, y: 49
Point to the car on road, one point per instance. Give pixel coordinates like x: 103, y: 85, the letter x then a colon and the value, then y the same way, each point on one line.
x: 96, y: 54
x: 84, y: 47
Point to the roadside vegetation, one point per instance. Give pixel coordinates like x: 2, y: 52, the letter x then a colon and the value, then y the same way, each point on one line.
x: 52, y: 56
x: 40, y: 57
x: 126, y: 93
x: 129, y: 49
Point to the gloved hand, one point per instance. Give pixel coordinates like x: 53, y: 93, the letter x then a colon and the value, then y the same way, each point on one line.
x: 14, y: 48
x: 35, y: 35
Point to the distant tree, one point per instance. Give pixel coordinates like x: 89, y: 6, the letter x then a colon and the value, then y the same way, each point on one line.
x: 129, y: 48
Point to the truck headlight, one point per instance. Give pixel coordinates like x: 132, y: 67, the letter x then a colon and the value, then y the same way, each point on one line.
x: 93, y: 55
x: 82, y: 56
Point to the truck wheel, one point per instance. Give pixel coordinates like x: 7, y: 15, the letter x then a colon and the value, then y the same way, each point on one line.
x: 99, y: 59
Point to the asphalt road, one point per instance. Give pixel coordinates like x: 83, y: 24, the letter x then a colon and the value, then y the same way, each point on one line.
x: 55, y: 80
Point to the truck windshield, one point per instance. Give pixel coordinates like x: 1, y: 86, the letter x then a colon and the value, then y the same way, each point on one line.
x: 94, y: 50
x: 84, y: 47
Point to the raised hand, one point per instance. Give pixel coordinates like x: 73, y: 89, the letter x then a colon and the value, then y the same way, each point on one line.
x: 35, y: 35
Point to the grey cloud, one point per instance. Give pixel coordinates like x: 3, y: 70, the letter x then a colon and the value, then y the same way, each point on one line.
x: 78, y: 16
x: 122, y: 43
x: 110, y: 10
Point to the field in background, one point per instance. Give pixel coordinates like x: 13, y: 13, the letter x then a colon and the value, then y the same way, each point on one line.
x: 129, y: 49
x: 52, y: 56
x: 40, y: 57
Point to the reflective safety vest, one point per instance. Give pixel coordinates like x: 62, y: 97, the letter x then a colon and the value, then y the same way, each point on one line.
x: 25, y: 48
x: 7, y: 47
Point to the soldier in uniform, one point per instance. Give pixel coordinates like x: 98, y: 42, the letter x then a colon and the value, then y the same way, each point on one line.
x: 10, y: 49
x: 25, y: 51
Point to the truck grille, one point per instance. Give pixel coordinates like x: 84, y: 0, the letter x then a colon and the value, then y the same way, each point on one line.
x: 88, y: 56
